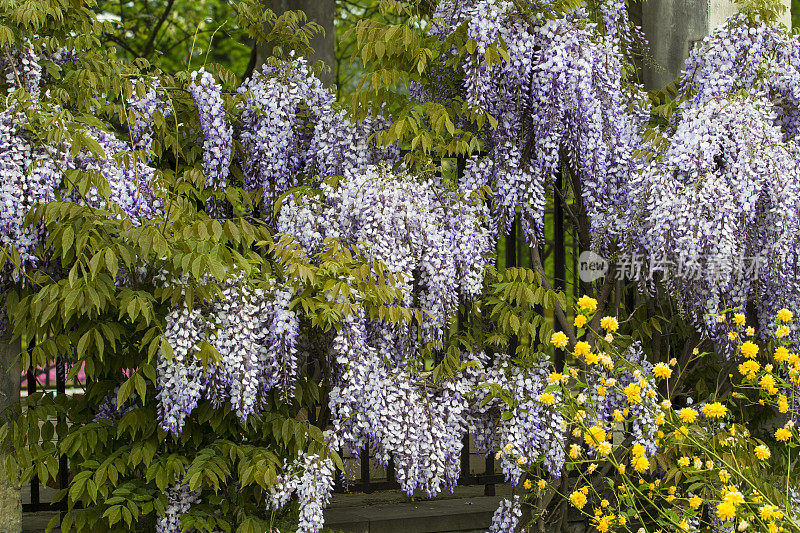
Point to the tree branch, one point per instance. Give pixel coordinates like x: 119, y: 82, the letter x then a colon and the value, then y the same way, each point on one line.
x: 559, y: 313
x: 148, y: 48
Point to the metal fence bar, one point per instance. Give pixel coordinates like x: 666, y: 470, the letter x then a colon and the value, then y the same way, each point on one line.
x: 35, y: 480
x: 63, y: 466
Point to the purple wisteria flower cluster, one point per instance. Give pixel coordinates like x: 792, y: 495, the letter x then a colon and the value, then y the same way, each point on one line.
x: 507, y: 516
x: 22, y: 69
x: 311, y: 478
x: 290, y: 128
x: 254, y: 331
x: 180, y: 498
x: 31, y: 174
x: 437, y: 241
x: 727, y: 187
x: 144, y: 107
x: 559, y: 99
x: 218, y: 143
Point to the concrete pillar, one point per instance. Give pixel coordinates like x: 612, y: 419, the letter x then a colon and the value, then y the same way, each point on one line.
x: 673, y: 27
x: 10, y: 495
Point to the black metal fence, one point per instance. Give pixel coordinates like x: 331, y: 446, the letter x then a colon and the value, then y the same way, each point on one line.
x: 62, y: 482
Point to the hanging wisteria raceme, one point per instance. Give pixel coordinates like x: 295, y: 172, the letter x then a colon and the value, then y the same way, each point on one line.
x: 180, y: 377
x: 22, y: 69
x: 435, y: 239
x: 419, y: 426
x: 143, y: 108
x: 311, y: 478
x: 534, y: 431
x: 506, y: 518
x: 130, y: 179
x: 558, y: 100
x: 290, y: 128
x: 180, y: 499
x: 719, y: 211
x: 747, y: 54
x: 31, y: 174
x: 218, y: 134
x: 108, y: 410
x: 256, y: 335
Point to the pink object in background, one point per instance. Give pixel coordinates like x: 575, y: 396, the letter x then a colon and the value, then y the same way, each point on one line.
x: 47, y: 378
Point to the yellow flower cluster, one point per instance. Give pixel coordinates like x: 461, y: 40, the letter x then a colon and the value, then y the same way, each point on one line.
x: 714, y: 410
x: 587, y: 304
x: 662, y: 371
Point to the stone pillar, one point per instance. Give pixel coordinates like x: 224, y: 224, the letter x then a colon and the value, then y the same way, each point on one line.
x: 10, y: 495
x: 673, y: 27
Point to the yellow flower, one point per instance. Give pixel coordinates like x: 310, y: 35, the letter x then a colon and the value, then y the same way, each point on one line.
x: 750, y: 331
x: 732, y: 495
x: 782, y: 332
x: 621, y: 469
x: 580, y: 321
x: 522, y: 460
x: 604, y: 524
x: 732, y: 335
x: 762, y: 452
x: 767, y: 512
x: 684, y: 525
x: 662, y: 371
x: 591, y: 358
x: 577, y: 499
x: 604, y: 448
x: 618, y: 416
x: 695, y: 501
x: 594, y: 436
x: 681, y: 432
x: 547, y: 399
x: 632, y: 392
x: 640, y: 464
x: 781, y: 354
x: 582, y: 348
x: 527, y: 485
x: 687, y: 415
x: 541, y: 484
x: 683, y: 461
x: 660, y: 419
x: 784, y: 315
x: 768, y: 384
x: 587, y: 303
x: 559, y: 340
x: 601, y: 390
x: 574, y: 451
x: 670, y: 498
x: 698, y: 464
x: 739, y: 319
x: 609, y: 323
x: 783, y: 403
x: 749, y: 349
x: 726, y: 511
x: 714, y: 410
x: 508, y: 447
x: 724, y: 476
x: 749, y: 368
x: 637, y: 450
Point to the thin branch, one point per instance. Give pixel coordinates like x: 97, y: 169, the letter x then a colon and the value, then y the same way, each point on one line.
x: 536, y: 261
x: 150, y: 42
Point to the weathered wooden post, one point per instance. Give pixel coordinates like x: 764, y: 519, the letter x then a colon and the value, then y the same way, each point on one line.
x: 10, y: 494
